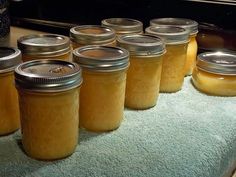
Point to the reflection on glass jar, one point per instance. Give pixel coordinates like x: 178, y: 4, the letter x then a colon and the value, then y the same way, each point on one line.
x: 92, y: 35
x: 44, y: 46
x: 215, y: 73
x: 192, y: 27
x: 144, y: 73
x: 103, y: 92
x: 9, y: 109
x: 49, y: 103
x: 176, y: 40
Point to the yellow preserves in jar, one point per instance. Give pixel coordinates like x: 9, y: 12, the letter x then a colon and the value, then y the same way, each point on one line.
x: 103, y: 92
x: 9, y: 109
x: 215, y: 73
x: 176, y: 40
x: 49, y: 103
x: 144, y: 73
x: 124, y: 25
x: 192, y: 27
x: 44, y: 46
x: 92, y: 35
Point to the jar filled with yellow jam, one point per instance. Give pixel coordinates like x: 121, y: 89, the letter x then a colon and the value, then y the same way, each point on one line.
x: 44, y: 46
x: 144, y: 74
x: 192, y: 27
x: 49, y: 107
x: 92, y: 35
x: 9, y: 109
x: 124, y: 25
x: 176, y: 40
x: 103, y: 92
x: 215, y: 73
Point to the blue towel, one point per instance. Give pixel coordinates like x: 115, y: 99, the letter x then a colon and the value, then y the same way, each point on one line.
x: 187, y: 134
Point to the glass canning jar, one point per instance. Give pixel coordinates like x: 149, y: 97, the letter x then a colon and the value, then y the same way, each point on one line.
x: 144, y: 73
x: 215, y: 73
x: 44, y: 46
x: 9, y: 109
x: 49, y: 103
x: 192, y: 27
x: 124, y: 25
x: 176, y: 40
x: 92, y: 35
x: 103, y: 92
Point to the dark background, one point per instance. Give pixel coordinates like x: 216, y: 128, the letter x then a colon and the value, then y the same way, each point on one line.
x: 217, y: 22
x: 93, y: 11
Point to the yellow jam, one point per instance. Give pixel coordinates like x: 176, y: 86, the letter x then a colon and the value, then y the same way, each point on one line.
x: 214, y: 84
x: 49, y: 123
x: 191, y: 55
x: 9, y: 109
x: 143, y: 81
x: 172, y: 76
x: 102, y: 100
x: 66, y: 56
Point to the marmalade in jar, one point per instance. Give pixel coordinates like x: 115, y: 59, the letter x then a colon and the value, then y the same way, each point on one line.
x: 49, y: 107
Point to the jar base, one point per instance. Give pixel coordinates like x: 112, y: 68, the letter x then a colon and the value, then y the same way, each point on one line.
x: 139, y: 108
x: 9, y: 132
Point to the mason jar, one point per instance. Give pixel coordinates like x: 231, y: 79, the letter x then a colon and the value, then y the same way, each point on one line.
x: 103, y: 92
x: 49, y: 103
x: 124, y: 25
x: 215, y: 73
x: 176, y: 40
x: 9, y: 109
x: 192, y: 27
x: 92, y: 35
x: 44, y: 46
x: 144, y: 73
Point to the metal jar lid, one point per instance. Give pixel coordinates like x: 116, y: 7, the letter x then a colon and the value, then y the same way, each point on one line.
x: 142, y: 44
x: 44, y: 44
x: 92, y: 34
x: 217, y: 62
x: 48, y: 75
x: 170, y: 34
x: 188, y: 24
x: 101, y: 58
x: 124, y: 25
x: 9, y: 59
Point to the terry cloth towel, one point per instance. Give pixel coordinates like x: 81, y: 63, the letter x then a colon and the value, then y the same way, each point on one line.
x: 187, y: 134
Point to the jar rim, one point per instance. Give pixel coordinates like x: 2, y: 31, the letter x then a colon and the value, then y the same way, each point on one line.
x: 223, y: 63
x: 101, y: 58
x: 123, y: 25
x: 9, y: 61
x: 48, y: 75
x: 170, y: 34
x: 188, y: 24
x: 105, y: 34
x: 44, y: 44
x: 142, y: 44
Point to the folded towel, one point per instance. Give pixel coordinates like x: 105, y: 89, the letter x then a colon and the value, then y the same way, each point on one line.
x: 187, y: 134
